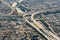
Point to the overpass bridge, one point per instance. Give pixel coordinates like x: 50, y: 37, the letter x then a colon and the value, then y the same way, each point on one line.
x: 40, y: 28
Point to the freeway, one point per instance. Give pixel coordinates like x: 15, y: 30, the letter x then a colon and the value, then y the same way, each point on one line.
x: 32, y: 24
x: 39, y: 27
x: 13, y: 7
x: 48, y: 34
x: 35, y: 26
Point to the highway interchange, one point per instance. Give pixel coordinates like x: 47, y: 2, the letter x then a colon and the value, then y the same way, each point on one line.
x: 35, y: 24
x: 40, y: 28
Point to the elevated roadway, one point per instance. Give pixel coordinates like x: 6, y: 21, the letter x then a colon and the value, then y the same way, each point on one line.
x: 40, y: 28
x: 48, y: 34
x: 13, y: 7
x: 33, y: 25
